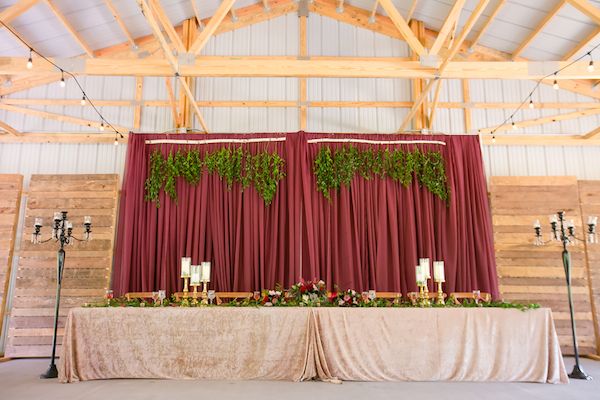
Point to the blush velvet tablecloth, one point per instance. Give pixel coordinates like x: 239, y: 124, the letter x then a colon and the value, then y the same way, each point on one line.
x: 289, y: 343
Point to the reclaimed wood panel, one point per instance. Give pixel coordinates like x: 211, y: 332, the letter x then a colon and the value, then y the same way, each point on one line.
x: 535, y: 274
x: 589, y: 197
x: 11, y: 188
x: 87, y: 265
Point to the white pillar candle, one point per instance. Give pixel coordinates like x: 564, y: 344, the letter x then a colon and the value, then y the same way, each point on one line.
x: 206, y: 271
x: 537, y: 224
x: 419, y: 274
x: 424, y: 262
x: 438, y: 271
x: 87, y: 220
x: 195, y: 278
x: 186, y: 263
x: 38, y: 222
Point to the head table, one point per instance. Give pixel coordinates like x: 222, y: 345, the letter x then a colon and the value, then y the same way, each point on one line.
x: 300, y: 343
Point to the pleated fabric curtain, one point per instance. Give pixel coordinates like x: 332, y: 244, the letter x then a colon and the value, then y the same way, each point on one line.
x: 368, y: 236
x: 372, y: 233
x: 246, y: 241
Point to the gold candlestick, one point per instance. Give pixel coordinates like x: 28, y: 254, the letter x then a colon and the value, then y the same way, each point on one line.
x: 426, y: 294
x: 204, y: 293
x: 440, y: 294
x: 195, y: 295
x: 185, y: 287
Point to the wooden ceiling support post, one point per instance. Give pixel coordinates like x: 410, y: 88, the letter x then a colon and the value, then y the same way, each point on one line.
x: 420, y: 117
x: 303, y: 46
x: 137, y: 113
x: 189, y: 36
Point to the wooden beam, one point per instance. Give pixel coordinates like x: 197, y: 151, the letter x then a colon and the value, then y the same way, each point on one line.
x: 467, y: 100
x: 8, y: 129
x: 539, y: 28
x: 166, y: 24
x: 57, y: 117
x: 587, y: 8
x: 211, y: 26
x: 12, y: 12
x: 374, y: 11
x: 420, y: 120
x: 446, y: 29
x: 403, y: 27
x: 581, y: 45
x: 171, y: 59
x: 487, y: 24
x: 137, y: 113
x: 189, y: 35
x: 197, y: 13
x: 314, y: 66
x: 303, y: 47
x: 592, y: 134
x: 70, y: 28
x: 119, y: 20
x: 411, y: 11
x: 176, y: 116
x: 542, y: 120
x: 74, y: 137
x: 463, y: 35
x: 539, y: 140
x: 433, y: 107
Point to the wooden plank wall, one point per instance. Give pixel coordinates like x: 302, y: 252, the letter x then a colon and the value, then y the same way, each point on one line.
x: 535, y: 274
x: 11, y: 187
x: 589, y: 196
x: 87, y: 265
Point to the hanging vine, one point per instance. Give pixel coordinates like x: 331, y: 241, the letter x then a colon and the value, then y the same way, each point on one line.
x: 335, y: 168
x: 263, y: 171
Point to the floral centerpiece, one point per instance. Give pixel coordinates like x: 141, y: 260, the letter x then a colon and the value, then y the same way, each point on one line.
x: 347, y: 298
x: 309, y: 293
x: 271, y: 298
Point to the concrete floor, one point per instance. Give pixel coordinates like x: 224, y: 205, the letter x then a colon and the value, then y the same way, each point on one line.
x: 19, y: 380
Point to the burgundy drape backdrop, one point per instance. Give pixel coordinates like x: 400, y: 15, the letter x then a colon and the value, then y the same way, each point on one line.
x: 369, y: 236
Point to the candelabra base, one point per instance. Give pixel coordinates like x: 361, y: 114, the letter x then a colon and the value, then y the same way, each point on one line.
x: 51, y: 373
x: 578, y: 373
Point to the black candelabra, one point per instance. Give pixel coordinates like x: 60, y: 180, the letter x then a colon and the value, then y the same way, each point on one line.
x: 564, y: 232
x: 62, y: 230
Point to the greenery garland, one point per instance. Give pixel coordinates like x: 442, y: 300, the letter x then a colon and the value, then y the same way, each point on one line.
x: 263, y: 171
x: 337, y: 168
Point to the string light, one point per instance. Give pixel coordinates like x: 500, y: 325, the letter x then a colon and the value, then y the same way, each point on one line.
x: 555, y: 85
x: 30, y: 60
x: 84, y: 99
x: 116, y: 141
x: 102, y: 126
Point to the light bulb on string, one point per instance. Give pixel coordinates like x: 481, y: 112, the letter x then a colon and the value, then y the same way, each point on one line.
x: 62, y: 79
x: 30, y: 60
x: 514, y: 126
x: 116, y: 141
x: 590, y: 66
x: 531, y: 105
x: 493, y: 139
x: 555, y: 84
x: 102, y: 126
x: 82, y: 102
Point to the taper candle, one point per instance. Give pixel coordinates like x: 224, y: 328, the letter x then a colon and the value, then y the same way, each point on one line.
x: 205, y: 271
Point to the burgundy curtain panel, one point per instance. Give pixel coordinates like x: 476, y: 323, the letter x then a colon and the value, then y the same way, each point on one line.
x: 369, y: 235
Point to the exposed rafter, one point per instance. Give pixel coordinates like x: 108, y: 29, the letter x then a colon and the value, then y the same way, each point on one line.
x: 119, y: 20
x: 592, y: 134
x: 587, y: 8
x: 167, y: 26
x: 197, y: 14
x: 137, y: 113
x: 76, y: 36
x: 411, y: 11
x: 8, y: 129
x: 541, y: 121
x: 57, y: 117
x: 171, y: 59
x: 581, y: 45
x: 211, y: 26
x: 539, y: 28
x: 12, y: 12
x: 402, y: 27
x: 487, y: 24
x: 448, y: 26
x: 455, y: 48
